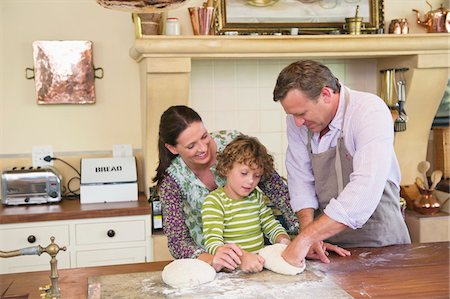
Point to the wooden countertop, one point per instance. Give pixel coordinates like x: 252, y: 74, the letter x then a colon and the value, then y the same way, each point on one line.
x: 69, y: 209
x: 402, y: 271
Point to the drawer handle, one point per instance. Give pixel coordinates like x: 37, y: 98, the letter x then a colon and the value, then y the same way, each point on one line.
x: 31, y: 239
x: 111, y: 233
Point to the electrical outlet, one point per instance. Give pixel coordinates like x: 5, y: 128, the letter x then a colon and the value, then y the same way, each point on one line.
x: 39, y: 153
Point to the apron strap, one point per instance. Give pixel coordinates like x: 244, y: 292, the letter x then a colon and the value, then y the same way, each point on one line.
x: 338, y: 167
x: 337, y: 161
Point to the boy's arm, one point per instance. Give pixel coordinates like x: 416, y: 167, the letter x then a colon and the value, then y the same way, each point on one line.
x: 212, y: 218
x: 270, y: 226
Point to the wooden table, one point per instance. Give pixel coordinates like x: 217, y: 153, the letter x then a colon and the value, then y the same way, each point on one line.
x: 402, y: 271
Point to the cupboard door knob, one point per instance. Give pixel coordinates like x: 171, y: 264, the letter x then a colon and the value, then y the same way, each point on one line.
x: 111, y: 233
x: 31, y: 239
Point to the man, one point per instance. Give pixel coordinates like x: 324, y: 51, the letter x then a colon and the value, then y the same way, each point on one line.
x: 341, y: 164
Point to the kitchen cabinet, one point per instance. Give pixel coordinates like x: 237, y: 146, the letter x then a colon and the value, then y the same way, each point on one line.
x: 13, y: 237
x: 428, y: 228
x: 98, y: 235
x: 160, y: 249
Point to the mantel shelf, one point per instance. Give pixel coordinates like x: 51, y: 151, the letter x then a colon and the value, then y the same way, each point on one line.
x: 315, y: 46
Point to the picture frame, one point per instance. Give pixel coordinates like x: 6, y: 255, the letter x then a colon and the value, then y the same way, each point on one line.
x: 305, y: 16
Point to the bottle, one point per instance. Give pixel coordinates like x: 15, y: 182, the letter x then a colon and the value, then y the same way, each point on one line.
x: 172, y: 26
x: 156, y: 209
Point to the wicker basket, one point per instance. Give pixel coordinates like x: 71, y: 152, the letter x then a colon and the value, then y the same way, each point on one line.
x: 441, y: 138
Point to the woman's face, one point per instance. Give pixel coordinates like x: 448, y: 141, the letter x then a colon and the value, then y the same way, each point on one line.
x: 195, y: 146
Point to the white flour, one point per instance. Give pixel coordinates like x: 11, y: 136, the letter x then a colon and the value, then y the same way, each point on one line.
x: 265, y: 284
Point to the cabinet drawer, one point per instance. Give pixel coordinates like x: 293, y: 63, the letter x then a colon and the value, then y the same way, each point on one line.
x: 17, y: 238
x: 30, y: 263
x: 110, y: 232
x: 113, y: 256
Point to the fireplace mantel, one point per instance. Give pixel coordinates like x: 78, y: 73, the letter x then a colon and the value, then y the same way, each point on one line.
x: 315, y: 46
x: 165, y: 66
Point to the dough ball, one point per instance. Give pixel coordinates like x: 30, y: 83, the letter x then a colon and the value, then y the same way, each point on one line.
x: 187, y: 273
x: 276, y: 263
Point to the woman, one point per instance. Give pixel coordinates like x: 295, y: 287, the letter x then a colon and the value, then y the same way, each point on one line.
x: 186, y: 174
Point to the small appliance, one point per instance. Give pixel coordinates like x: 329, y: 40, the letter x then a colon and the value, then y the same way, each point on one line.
x: 31, y: 186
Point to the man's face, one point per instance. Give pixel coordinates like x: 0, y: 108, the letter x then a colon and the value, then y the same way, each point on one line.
x: 315, y: 115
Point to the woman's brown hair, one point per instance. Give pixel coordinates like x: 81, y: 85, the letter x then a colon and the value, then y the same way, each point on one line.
x: 173, y: 122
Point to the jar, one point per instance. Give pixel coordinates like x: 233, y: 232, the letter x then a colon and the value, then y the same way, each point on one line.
x: 172, y: 26
x: 427, y: 203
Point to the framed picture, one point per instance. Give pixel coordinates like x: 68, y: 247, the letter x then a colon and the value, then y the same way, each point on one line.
x: 308, y: 16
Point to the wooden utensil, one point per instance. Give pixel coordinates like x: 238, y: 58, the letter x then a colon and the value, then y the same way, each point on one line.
x: 420, y: 183
x: 436, y: 177
x: 423, y: 167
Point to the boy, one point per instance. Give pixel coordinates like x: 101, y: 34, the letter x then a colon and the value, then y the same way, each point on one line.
x: 236, y: 213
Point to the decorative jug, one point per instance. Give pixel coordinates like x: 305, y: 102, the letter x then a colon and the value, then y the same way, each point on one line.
x: 437, y: 20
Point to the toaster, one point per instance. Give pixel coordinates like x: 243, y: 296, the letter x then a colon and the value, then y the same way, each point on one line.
x: 31, y: 186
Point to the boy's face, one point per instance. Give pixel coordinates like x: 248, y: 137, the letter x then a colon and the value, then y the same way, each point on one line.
x: 241, y: 180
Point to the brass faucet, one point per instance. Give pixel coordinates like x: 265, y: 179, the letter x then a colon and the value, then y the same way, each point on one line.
x: 50, y: 291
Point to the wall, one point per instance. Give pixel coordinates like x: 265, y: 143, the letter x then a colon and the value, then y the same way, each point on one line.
x: 237, y: 94
x: 77, y: 131
x: 72, y: 130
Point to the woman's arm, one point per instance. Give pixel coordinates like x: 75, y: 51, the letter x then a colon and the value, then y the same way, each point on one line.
x: 180, y: 242
x: 276, y: 189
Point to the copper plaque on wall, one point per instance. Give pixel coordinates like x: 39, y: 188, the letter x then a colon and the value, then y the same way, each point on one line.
x: 64, y: 72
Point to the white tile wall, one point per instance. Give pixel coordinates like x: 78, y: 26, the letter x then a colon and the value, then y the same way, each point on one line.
x: 237, y: 94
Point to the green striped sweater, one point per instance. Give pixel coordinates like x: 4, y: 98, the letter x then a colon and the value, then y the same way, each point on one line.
x: 242, y: 222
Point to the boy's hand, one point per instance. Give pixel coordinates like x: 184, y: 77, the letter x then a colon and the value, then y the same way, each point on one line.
x: 251, y: 262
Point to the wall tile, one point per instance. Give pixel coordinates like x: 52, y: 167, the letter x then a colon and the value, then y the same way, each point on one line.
x: 248, y: 122
x: 270, y: 121
x: 247, y: 98
x: 268, y: 72
x: 225, y: 73
x: 237, y: 94
x: 247, y: 73
x: 226, y: 120
x: 266, y: 98
x: 225, y: 99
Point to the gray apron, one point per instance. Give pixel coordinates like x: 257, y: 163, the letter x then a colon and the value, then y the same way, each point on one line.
x: 332, y: 170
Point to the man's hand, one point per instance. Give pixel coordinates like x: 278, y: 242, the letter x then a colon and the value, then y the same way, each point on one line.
x: 227, y: 256
x: 320, y: 251
x: 296, y: 252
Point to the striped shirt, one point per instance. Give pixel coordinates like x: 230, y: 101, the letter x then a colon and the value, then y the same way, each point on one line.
x: 242, y: 222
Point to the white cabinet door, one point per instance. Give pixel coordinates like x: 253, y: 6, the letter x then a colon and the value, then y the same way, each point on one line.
x: 18, y: 236
x: 89, y: 242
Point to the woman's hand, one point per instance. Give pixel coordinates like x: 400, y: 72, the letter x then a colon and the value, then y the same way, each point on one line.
x: 227, y: 256
x: 251, y: 262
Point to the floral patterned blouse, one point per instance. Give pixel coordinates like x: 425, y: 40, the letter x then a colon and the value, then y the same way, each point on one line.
x: 182, y: 194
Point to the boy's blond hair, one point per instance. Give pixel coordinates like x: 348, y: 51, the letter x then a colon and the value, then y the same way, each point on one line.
x: 246, y: 150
